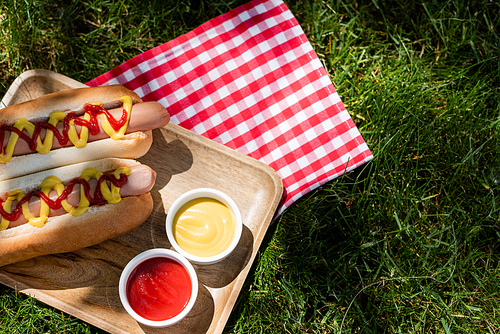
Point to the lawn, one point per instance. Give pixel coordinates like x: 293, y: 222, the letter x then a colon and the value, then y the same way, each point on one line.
x: 407, y: 243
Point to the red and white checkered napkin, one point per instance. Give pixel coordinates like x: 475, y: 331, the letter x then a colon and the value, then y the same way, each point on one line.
x: 250, y: 79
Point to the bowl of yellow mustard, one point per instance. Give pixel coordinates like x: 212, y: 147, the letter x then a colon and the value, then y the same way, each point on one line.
x: 204, y: 225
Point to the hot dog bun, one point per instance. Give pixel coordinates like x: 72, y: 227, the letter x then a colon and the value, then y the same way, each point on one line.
x: 68, y: 233
x: 131, y: 146
x: 73, y: 99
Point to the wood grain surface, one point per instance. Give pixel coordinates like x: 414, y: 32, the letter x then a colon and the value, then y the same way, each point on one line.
x: 85, y: 283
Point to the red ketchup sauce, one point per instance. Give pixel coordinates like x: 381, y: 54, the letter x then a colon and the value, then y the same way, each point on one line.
x: 97, y: 199
x: 159, y: 289
x: 92, y: 125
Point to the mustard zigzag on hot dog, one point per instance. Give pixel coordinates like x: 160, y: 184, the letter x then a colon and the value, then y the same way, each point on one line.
x: 104, y: 198
x: 100, y: 122
x: 17, y: 202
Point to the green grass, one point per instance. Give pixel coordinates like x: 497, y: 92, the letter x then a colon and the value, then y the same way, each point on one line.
x: 408, y: 243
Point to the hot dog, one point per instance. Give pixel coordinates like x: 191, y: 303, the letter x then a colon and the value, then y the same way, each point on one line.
x: 76, y: 125
x: 43, y: 213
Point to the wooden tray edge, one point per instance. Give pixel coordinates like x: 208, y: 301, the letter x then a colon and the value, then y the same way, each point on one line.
x: 18, y: 82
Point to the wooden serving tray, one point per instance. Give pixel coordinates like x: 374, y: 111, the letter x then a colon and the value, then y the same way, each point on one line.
x: 85, y: 283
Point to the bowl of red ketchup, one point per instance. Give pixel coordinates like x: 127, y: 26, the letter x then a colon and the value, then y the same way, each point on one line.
x: 158, y: 287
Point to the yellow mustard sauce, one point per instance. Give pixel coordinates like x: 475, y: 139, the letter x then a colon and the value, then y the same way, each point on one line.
x: 78, y: 140
x: 111, y: 195
x: 204, y: 227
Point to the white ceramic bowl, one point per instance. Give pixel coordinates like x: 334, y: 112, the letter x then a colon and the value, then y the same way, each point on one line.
x: 149, y: 254
x: 202, y: 193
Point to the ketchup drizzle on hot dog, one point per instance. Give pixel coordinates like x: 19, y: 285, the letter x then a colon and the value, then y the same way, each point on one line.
x: 97, y: 199
x: 92, y: 125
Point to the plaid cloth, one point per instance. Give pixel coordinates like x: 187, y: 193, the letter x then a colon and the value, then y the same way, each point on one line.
x: 250, y: 79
